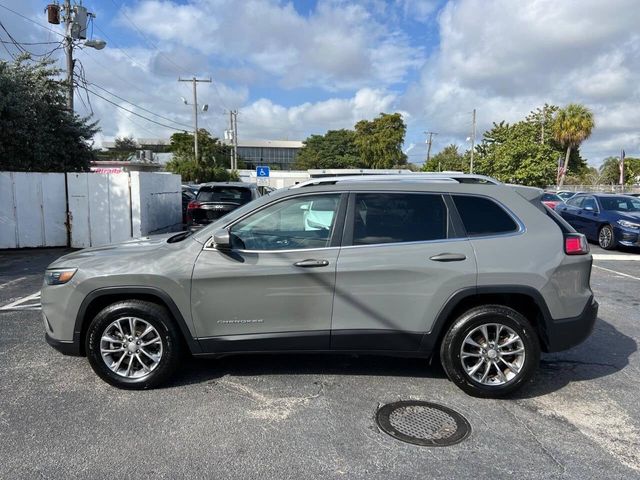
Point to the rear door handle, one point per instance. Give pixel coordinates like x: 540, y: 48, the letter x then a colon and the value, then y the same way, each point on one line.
x: 448, y: 257
x: 311, y: 263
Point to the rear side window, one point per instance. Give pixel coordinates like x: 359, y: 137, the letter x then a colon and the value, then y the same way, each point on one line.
x: 238, y: 195
x: 398, y: 217
x: 482, y: 216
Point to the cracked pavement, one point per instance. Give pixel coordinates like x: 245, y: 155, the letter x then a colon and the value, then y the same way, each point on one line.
x: 312, y: 416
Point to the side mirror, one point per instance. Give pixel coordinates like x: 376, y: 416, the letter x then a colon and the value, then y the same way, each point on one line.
x: 589, y: 208
x: 221, y: 240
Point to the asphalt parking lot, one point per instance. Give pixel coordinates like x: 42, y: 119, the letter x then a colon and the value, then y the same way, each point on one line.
x: 313, y: 416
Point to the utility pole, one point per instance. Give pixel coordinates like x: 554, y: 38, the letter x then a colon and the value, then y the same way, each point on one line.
x: 473, y: 140
x: 542, y: 124
x: 235, y: 140
x: 431, y: 134
x: 195, y: 81
x: 75, y: 20
x: 68, y: 48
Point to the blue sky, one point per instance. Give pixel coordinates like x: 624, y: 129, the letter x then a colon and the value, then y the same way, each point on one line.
x: 302, y: 67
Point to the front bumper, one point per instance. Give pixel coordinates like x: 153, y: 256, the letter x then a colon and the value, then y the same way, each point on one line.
x: 629, y: 237
x: 565, y: 333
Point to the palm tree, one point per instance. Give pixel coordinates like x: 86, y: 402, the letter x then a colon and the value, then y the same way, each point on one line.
x: 572, y: 125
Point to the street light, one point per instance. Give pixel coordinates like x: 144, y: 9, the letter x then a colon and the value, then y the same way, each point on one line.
x: 97, y: 43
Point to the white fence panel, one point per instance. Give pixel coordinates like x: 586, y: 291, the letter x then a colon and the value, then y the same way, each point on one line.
x: 32, y: 210
x: 100, y: 207
x: 156, y: 203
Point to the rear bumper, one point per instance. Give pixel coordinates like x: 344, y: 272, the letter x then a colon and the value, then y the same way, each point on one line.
x: 565, y: 333
x: 67, y: 348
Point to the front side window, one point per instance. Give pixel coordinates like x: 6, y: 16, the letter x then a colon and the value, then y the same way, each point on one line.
x: 590, y: 204
x: 301, y: 222
x: 398, y: 217
x: 482, y: 216
x: 575, y: 201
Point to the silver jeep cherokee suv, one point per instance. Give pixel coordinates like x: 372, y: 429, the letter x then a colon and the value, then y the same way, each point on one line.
x: 460, y: 266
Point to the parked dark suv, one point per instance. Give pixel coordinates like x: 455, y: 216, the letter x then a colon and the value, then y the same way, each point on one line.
x: 214, y: 200
x: 461, y: 267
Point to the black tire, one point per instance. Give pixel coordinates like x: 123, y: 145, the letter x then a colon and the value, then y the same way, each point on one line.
x: 155, y: 315
x: 450, y: 349
x: 602, y: 238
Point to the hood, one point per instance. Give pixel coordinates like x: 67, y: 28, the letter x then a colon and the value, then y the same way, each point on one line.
x: 135, y: 247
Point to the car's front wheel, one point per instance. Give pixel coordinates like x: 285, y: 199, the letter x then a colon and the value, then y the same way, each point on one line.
x: 133, y: 344
x: 606, y: 238
x: 490, y: 351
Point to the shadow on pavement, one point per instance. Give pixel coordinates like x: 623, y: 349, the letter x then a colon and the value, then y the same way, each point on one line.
x: 201, y: 370
x: 604, y: 353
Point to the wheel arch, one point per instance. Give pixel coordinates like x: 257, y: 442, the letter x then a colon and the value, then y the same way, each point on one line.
x: 525, y: 300
x: 102, y: 297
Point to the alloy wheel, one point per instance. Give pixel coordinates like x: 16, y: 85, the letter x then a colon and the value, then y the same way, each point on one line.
x: 605, y: 237
x: 131, y: 347
x: 492, y: 354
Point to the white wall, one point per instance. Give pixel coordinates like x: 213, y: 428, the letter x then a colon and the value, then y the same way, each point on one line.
x: 32, y: 210
x: 156, y: 203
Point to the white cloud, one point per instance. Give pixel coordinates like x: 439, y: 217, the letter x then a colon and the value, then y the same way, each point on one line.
x: 338, y: 46
x: 506, y: 59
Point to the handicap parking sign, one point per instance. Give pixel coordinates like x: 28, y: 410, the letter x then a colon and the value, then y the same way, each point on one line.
x: 262, y: 172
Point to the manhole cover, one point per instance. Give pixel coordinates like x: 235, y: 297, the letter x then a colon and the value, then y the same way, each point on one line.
x: 423, y: 423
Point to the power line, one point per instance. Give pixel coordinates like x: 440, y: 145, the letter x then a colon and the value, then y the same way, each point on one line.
x: 138, y: 106
x: 30, y: 20
x: 132, y: 112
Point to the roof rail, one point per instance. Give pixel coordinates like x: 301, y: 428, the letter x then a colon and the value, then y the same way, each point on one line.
x: 411, y: 177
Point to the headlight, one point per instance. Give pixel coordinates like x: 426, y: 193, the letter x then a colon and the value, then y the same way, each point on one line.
x: 59, y: 276
x: 627, y: 224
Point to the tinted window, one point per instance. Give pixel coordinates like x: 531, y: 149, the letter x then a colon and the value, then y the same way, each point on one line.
x: 302, y: 222
x: 482, y: 216
x: 575, y: 201
x: 624, y: 204
x: 398, y: 217
x: 239, y: 195
x: 590, y: 204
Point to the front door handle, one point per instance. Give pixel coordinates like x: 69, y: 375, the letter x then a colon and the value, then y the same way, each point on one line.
x: 311, y: 263
x: 448, y: 257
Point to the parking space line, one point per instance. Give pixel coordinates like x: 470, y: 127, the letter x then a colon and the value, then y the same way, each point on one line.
x: 631, y: 258
x: 30, y: 302
x: 11, y: 282
x: 616, y: 272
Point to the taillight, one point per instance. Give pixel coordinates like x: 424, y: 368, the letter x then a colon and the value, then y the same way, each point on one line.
x: 193, y: 205
x: 575, y: 244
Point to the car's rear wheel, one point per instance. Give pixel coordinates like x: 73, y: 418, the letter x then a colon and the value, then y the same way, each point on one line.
x: 490, y: 351
x: 606, y: 237
x: 133, y: 344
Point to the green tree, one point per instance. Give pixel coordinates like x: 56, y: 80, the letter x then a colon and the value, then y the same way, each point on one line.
x: 610, y: 170
x: 125, y: 148
x: 524, y: 152
x: 449, y: 159
x: 334, y: 149
x: 380, y: 140
x: 572, y: 125
x: 37, y: 132
x: 213, y: 162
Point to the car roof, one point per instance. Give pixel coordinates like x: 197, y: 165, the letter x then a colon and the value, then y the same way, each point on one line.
x: 228, y: 184
x: 427, y: 177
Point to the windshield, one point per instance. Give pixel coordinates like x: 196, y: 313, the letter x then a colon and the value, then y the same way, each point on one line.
x: 238, y: 195
x: 622, y: 204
